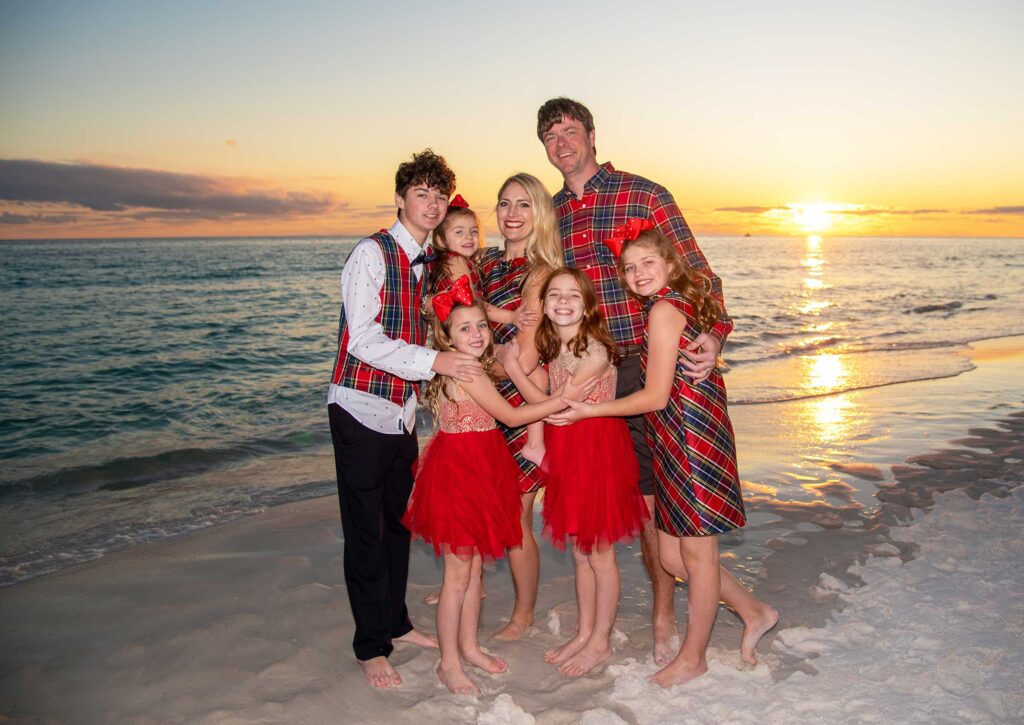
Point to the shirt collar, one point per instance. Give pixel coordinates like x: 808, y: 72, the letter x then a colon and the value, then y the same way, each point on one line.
x: 596, y: 182
x: 409, y: 245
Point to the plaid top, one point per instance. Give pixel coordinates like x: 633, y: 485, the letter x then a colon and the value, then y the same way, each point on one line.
x: 611, y: 197
x: 501, y: 285
x: 400, y: 299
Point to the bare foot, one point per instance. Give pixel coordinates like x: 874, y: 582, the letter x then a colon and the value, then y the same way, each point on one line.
x: 678, y: 672
x: 754, y: 630
x: 666, y: 642
x: 534, y: 454
x: 486, y: 662
x: 511, y: 631
x: 585, y: 660
x: 558, y: 655
x: 414, y: 636
x: 456, y: 680
x: 379, y: 672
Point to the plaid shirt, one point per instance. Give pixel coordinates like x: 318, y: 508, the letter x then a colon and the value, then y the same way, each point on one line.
x: 611, y: 197
x: 400, y: 317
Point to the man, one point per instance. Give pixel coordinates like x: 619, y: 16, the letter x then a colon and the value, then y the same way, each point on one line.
x: 372, y: 409
x: 594, y: 200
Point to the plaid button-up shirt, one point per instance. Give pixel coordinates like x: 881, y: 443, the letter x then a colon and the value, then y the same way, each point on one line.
x: 609, y: 198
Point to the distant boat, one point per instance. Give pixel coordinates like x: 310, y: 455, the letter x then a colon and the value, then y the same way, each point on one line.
x: 747, y: 234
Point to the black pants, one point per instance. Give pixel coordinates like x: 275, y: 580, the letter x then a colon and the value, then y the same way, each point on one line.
x: 628, y: 382
x: 374, y: 484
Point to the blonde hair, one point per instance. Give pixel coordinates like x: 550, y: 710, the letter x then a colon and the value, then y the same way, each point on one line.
x: 441, y: 268
x: 441, y: 340
x: 544, y: 245
x: 688, y: 282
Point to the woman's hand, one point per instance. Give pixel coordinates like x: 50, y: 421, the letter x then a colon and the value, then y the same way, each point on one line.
x: 523, y: 316
x: 508, y: 356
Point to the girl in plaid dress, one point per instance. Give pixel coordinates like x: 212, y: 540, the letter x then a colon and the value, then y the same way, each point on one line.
x: 698, y: 490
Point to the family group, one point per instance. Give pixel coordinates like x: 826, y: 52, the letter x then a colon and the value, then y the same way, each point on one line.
x: 580, y: 358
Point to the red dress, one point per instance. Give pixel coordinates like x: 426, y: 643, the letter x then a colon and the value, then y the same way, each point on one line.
x: 466, y: 495
x: 592, y: 491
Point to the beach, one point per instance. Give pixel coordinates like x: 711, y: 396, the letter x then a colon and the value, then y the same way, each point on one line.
x: 883, y: 525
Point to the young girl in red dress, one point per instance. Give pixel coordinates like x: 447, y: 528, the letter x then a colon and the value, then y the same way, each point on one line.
x: 697, y: 493
x: 592, y: 498
x: 466, y: 497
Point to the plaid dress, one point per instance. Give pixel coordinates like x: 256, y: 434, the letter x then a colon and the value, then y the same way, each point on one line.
x: 697, y: 489
x: 501, y: 285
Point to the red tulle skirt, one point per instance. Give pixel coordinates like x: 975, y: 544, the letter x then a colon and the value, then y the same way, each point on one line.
x: 466, y: 496
x: 593, y: 491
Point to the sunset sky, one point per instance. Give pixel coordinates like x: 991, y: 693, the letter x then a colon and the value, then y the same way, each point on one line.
x: 242, y: 118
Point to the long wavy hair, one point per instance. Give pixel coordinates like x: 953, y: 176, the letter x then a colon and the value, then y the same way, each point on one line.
x: 688, y: 282
x: 441, y: 340
x: 441, y: 268
x: 591, y: 326
x: 544, y: 245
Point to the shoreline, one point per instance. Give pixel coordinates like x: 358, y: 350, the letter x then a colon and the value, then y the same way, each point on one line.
x: 248, y: 621
x: 306, y: 475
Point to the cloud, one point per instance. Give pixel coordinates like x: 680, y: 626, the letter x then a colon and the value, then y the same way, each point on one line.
x: 998, y: 210
x: 9, y: 218
x: 876, y: 211
x: 749, y: 209
x: 143, y: 191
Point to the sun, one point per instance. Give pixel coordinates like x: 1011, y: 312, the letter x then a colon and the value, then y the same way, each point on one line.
x: 814, y: 217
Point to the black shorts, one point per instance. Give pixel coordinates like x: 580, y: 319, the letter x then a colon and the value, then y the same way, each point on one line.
x: 629, y: 382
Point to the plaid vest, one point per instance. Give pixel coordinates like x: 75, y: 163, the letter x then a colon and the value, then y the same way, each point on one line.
x: 400, y: 300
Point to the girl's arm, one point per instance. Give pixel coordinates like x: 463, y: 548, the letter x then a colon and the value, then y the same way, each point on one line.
x: 592, y: 369
x: 482, y: 390
x: 665, y: 326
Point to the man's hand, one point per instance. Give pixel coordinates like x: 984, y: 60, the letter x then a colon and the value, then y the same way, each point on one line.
x: 700, y: 356
x: 457, y: 365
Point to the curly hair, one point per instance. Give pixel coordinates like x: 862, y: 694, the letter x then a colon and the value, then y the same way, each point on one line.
x: 441, y: 340
x: 544, y: 245
x: 426, y: 168
x: 591, y: 326
x: 441, y: 268
x: 557, y: 110
x: 691, y: 284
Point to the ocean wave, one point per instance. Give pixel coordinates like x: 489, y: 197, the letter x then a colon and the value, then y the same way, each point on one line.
x: 135, y: 471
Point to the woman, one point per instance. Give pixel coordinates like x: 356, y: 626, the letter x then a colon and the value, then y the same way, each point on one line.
x: 512, y: 278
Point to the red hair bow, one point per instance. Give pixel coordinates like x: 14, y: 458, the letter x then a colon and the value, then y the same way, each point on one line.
x: 461, y: 293
x: 626, y: 233
x: 458, y: 203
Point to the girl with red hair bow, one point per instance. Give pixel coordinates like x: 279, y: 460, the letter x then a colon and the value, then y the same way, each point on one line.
x: 465, y: 501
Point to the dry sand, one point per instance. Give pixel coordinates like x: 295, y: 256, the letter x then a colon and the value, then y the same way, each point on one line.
x: 889, y: 612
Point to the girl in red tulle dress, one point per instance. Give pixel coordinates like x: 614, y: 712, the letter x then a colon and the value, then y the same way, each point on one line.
x: 466, y: 498
x: 592, y: 497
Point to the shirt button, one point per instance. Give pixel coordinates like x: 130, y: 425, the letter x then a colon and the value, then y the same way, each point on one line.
x: 584, y: 206
x: 584, y: 236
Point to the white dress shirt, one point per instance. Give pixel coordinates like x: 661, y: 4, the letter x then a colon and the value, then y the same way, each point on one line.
x: 361, y: 282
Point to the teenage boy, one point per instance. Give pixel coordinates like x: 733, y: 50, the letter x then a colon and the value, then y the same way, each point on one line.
x: 595, y: 199
x: 372, y: 408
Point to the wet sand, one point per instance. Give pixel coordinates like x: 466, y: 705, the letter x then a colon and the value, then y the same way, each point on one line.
x: 883, y: 526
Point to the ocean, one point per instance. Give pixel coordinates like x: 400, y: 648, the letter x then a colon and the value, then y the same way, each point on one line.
x: 149, y: 388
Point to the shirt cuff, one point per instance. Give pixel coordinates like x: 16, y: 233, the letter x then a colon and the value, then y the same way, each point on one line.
x: 424, y: 361
x: 721, y: 331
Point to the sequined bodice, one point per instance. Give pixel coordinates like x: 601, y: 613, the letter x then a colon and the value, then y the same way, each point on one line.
x: 464, y: 416
x: 564, y: 366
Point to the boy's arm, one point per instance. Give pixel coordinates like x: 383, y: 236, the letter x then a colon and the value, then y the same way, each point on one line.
x: 362, y: 280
